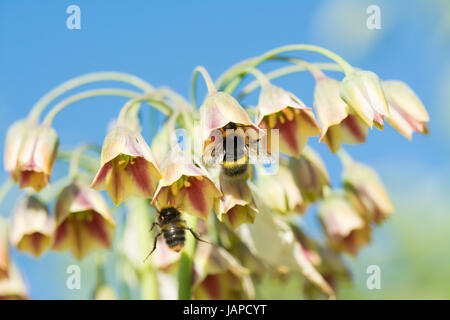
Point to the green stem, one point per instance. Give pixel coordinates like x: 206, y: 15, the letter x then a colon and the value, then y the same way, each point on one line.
x: 39, y: 107
x: 149, y: 284
x: 84, y: 95
x: 286, y: 71
x: 187, y: 263
x: 76, y: 157
x: 86, y: 161
x: 4, y: 189
x: 183, y: 106
x: 260, y: 77
x: 236, y: 71
x: 208, y: 81
x: 151, y: 99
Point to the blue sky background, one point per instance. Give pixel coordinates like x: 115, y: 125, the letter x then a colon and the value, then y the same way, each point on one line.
x: 162, y: 41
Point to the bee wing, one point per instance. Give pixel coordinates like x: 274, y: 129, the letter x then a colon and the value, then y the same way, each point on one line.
x: 251, y: 148
x: 213, y: 154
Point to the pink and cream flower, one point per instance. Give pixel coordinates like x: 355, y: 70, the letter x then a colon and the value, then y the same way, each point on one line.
x: 408, y: 114
x: 345, y: 229
x: 280, y: 109
x: 34, y: 152
x: 32, y: 227
x: 186, y: 186
x: 338, y: 124
x: 127, y: 166
x: 236, y: 206
x: 83, y: 221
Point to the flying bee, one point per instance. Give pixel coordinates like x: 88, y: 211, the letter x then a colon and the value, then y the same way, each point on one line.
x: 172, y: 228
x: 232, y: 149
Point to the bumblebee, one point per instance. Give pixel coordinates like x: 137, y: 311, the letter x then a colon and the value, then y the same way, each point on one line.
x: 172, y: 228
x: 232, y: 152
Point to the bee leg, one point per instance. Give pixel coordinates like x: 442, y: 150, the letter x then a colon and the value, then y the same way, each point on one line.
x: 196, y: 236
x: 154, y: 245
x: 154, y: 224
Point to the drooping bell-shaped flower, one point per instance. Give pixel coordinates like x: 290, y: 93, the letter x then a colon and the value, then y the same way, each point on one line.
x: 271, y: 239
x: 32, y: 227
x: 408, y: 113
x: 83, y: 221
x: 310, y: 175
x: 327, y: 262
x: 363, y: 92
x: 236, y: 206
x: 224, y: 122
x: 219, y: 110
x: 15, y: 136
x: 127, y: 166
x: 218, y: 275
x: 13, y: 287
x: 337, y: 124
x: 346, y: 230
x: 36, y: 156
x: 279, y: 191
x: 4, y: 249
x: 280, y: 109
x: 186, y: 186
x: 365, y: 185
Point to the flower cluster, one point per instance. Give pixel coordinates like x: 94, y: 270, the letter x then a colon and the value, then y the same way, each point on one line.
x: 251, y: 177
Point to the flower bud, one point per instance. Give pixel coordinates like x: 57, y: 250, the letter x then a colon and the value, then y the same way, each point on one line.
x: 280, y: 192
x: 83, y: 221
x: 32, y: 227
x: 218, y: 275
x: 127, y: 166
x: 337, y: 124
x: 4, y: 249
x: 327, y: 262
x: 365, y: 185
x: 346, y: 230
x: 186, y: 186
x: 408, y: 114
x: 15, y: 136
x: 280, y: 109
x: 36, y: 157
x: 363, y: 92
x: 236, y: 205
x: 310, y: 175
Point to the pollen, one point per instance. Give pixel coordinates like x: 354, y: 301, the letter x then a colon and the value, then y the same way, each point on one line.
x: 174, y: 189
x: 272, y: 120
x: 187, y: 184
x: 177, y: 248
x: 289, y: 114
